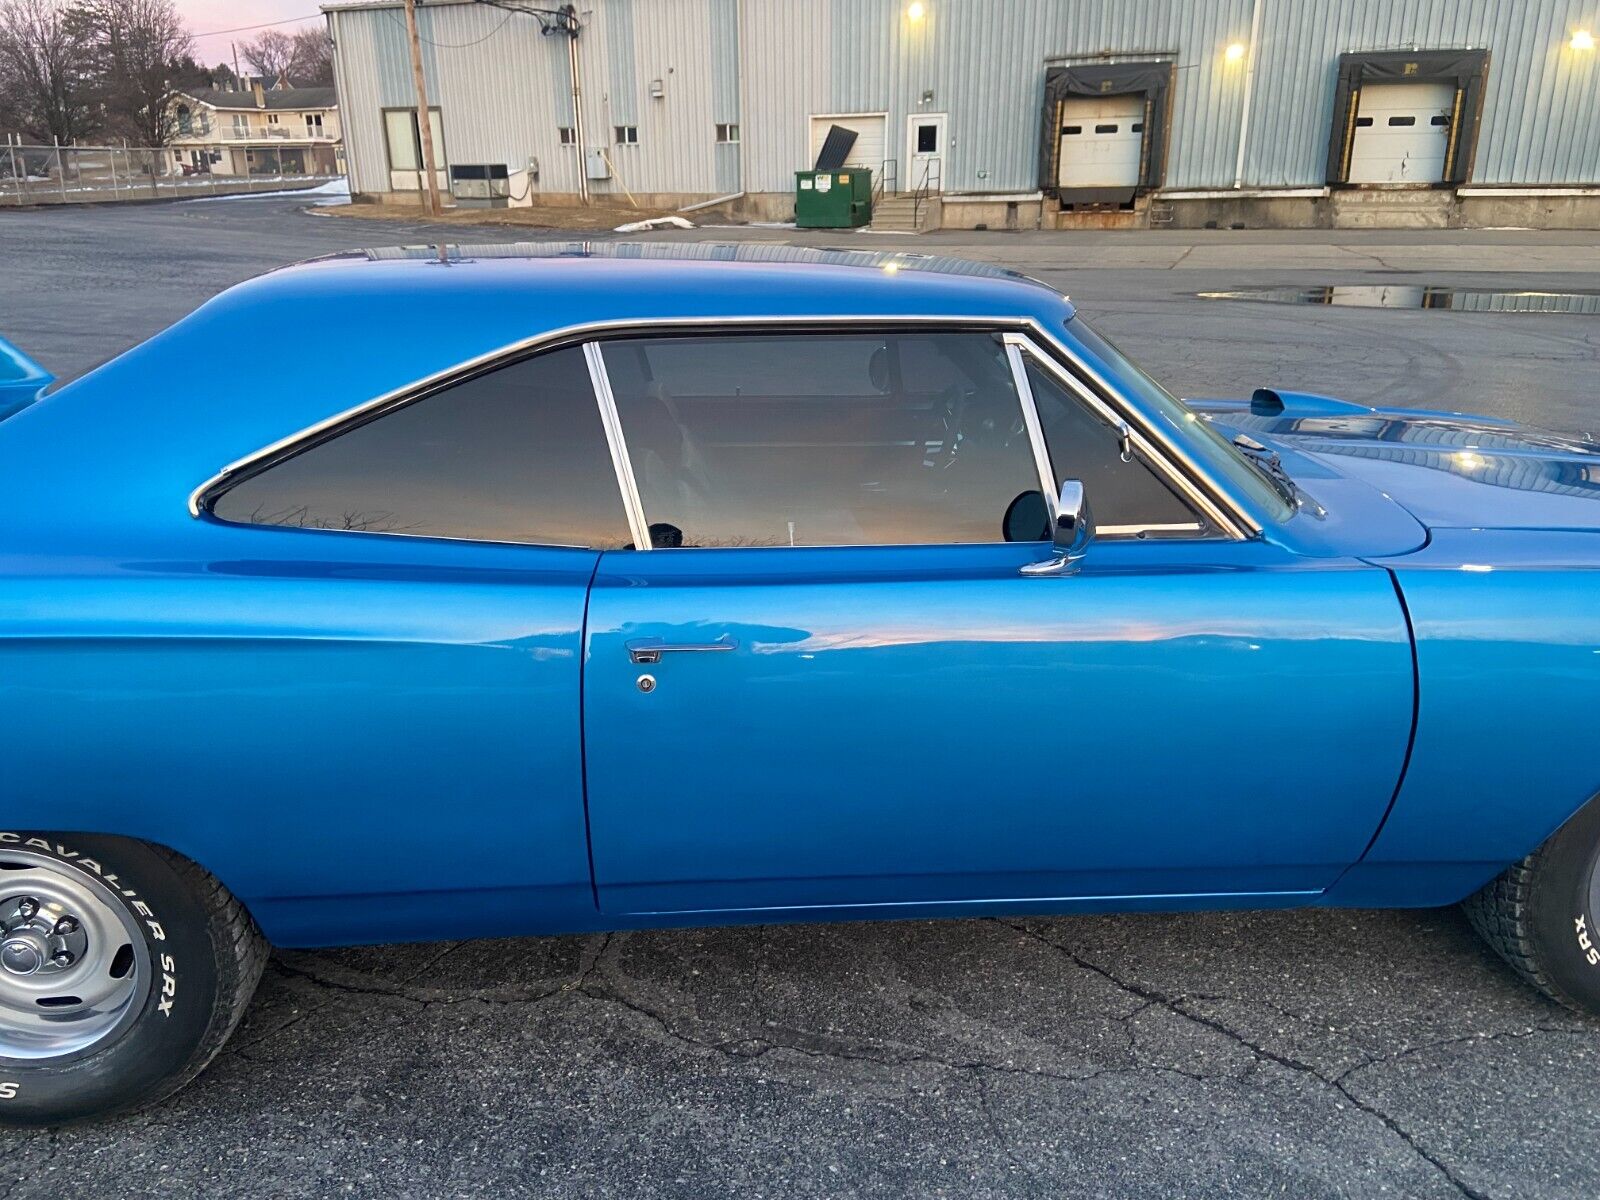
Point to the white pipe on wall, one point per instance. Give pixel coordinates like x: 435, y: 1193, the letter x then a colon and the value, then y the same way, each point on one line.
x: 1249, y: 87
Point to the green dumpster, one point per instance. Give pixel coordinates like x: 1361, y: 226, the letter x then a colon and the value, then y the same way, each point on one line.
x: 832, y: 199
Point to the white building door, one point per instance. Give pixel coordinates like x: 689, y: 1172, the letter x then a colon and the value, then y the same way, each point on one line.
x: 869, y: 131
x: 1402, y: 132
x: 925, y: 146
x: 1101, y: 141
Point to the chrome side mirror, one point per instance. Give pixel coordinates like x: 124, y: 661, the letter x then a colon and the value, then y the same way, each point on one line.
x: 1074, y: 530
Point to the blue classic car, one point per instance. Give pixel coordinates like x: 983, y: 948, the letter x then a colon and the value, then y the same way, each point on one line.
x: 565, y: 589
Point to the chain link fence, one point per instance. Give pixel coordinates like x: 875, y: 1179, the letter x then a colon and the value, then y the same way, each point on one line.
x: 100, y: 174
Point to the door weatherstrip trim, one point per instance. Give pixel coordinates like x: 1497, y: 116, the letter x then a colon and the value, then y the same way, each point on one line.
x: 623, y: 465
x: 1232, y: 518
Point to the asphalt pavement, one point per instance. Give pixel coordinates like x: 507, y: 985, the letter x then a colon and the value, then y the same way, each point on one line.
x: 1301, y: 1054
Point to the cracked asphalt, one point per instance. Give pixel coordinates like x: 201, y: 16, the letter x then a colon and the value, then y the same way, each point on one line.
x: 1302, y: 1054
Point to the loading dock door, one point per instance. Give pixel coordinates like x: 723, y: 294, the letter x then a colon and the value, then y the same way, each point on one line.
x: 869, y: 131
x: 1102, y: 139
x: 1402, y: 133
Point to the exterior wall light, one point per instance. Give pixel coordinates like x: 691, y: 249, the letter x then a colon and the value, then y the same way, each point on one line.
x: 1582, y: 40
x: 916, y: 10
x: 1234, y: 53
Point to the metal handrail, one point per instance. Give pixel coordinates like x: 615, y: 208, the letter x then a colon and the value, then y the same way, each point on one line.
x: 920, y: 192
x: 888, y: 170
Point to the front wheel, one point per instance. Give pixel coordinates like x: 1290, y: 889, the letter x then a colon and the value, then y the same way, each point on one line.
x: 123, y: 968
x: 1540, y: 914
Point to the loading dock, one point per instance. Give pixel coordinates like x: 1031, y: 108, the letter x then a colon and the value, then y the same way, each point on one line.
x: 1102, y: 139
x: 1103, y: 134
x: 1402, y: 133
x: 1414, y: 89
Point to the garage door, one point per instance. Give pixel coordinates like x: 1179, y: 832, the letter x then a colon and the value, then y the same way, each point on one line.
x: 1101, y: 139
x: 1402, y: 132
x: 869, y: 131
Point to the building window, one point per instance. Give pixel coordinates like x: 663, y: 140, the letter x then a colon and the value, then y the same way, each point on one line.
x: 404, y: 141
x: 626, y: 135
x: 272, y: 118
x: 241, y: 125
x: 314, y: 124
x: 727, y: 133
x: 568, y: 135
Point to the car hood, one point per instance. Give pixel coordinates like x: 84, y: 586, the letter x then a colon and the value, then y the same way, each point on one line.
x: 1449, y: 470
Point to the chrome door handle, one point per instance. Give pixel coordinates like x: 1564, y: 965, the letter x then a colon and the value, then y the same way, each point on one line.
x: 649, y: 650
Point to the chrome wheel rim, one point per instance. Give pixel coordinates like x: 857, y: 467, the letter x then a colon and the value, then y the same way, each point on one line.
x: 74, y: 968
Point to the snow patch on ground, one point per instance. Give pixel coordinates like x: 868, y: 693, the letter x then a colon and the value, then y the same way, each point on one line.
x: 335, y: 191
x: 654, y: 223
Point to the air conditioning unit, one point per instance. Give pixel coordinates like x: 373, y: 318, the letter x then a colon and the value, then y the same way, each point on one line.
x: 481, y: 185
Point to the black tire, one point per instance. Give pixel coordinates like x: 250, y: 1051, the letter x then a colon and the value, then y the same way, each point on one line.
x: 205, y: 956
x: 1540, y: 914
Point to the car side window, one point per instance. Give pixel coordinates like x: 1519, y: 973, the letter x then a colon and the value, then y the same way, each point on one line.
x: 517, y: 454
x: 1128, y: 498
x: 823, y: 439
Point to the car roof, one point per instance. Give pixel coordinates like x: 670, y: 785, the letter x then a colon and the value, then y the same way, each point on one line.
x: 660, y: 261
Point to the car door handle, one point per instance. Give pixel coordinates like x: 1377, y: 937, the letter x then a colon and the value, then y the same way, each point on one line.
x: 650, y: 650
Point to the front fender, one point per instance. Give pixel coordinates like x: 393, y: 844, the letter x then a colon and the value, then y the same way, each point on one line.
x: 1507, y: 630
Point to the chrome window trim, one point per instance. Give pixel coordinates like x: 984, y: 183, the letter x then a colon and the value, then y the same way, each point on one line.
x: 1143, y: 446
x: 1030, y: 418
x: 627, y: 481
x: 1237, y: 520
x: 1230, y: 517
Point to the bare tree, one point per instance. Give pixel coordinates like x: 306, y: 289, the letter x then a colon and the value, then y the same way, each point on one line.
x: 45, y: 69
x: 141, y: 50
x: 269, y: 55
x: 313, y: 57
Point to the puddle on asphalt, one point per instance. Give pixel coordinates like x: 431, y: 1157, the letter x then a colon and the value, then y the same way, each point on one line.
x: 1418, y: 296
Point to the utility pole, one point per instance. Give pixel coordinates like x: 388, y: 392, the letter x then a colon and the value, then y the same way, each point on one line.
x: 237, y: 84
x: 430, y: 186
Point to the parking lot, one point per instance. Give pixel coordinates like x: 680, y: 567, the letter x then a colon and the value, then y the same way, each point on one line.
x: 1309, y: 1054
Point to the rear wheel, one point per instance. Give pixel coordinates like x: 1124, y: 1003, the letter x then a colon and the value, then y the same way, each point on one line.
x: 1540, y: 914
x: 123, y: 968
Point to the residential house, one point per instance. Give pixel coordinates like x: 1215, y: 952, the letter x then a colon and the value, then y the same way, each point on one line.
x: 279, y: 130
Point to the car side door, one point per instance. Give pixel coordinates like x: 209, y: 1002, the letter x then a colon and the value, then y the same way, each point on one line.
x: 828, y: 684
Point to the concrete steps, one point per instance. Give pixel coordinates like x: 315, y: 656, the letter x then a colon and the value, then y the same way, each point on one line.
x: 902, y: 214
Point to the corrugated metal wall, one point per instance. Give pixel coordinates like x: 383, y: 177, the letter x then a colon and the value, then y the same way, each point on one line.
x: 504, y: 89
x: 1541, y: 112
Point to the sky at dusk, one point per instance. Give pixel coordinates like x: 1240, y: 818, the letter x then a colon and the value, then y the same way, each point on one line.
x: 205, y: 16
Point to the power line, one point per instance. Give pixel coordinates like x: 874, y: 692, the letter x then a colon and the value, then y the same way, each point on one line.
x: 263, y: 25
x: 451, y: 45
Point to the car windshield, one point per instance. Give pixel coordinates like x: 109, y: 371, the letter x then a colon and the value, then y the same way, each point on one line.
x: 1209, y: 447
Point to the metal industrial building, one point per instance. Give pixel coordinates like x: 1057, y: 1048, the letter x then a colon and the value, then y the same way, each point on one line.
x: 999, y: 113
